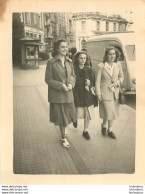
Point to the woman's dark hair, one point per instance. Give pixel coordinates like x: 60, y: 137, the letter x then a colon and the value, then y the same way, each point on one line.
x: 85, y: 50
x: 56, y: 47
x: 76, y: 62
x: 106, y: 54
x: 73, y: 50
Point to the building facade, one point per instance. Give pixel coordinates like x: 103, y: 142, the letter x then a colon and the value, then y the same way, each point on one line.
x: 34, y: 26
x: 88, y: 24
x: 58, y: 25
x: 28, y: 27
x: 44, y: 28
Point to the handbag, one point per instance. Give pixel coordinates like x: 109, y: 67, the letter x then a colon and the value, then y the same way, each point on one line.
x: 122, y: 97
x: 95, y: 98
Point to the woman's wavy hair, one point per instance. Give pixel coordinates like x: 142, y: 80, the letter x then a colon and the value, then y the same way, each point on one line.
x: 76, y: 61
x: 56, y: 47
x: 107, y: 51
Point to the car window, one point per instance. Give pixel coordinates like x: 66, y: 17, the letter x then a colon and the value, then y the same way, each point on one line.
x: 130, y: 50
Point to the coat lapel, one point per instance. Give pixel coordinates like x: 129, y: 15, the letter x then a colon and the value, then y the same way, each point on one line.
x: 107, y: 70
x: 67, y: 70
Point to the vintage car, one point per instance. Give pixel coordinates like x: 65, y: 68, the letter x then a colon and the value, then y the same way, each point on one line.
x: 125, y: 44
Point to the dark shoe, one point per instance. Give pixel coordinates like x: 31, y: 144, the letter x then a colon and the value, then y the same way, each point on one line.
x: 75, y: 124
x: 111, y: 134
x: 86, y: 135
x: 103, y: 131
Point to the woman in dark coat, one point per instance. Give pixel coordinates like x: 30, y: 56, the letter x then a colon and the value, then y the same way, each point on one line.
x: 83, y: 97
x: 60, y: 78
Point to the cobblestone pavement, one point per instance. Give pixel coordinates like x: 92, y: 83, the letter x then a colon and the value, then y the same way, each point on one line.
x: 37, y: 146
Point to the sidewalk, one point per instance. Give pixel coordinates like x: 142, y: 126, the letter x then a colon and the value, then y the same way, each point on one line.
x: 37, y: 146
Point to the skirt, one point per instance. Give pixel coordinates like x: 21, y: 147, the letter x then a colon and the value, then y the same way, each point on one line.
x: 62, y: 113
x: 109, y: 110
x: 86, y: 113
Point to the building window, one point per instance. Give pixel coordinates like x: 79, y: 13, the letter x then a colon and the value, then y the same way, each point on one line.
x: 114, y: 27
x: 40, y: 21
x: 32, y: 19
x: 107, y: 26
x: 84, y: 44
x: 98, y: 25
x: 27, y: 34
x: 40, y: 38
x: 27, y: 16
x: 83, y: 26
x: 122, y: 27
x: 31, y: 35
x: 30, y: 52
x: 35, y: 15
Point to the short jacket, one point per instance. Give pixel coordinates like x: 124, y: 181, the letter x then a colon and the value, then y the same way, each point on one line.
x: 55, y: 77
x: 104, y: 79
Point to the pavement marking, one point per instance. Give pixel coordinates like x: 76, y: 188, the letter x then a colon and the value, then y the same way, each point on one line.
x: 78, y: 161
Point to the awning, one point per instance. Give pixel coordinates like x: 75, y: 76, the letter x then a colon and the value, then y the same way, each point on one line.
x: 33, y: 43
x: 30, y: 41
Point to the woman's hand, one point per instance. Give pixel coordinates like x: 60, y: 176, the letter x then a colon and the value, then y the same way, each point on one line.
x: 87, y: 88
x: 70, y: 86
x: 116, y: 83
x: 65, y: 88
x: 93, y: 91
x: 87, y: 82
x: 99, y: 98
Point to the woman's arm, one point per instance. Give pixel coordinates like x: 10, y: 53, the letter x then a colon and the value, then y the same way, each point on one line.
x: 73, y: 77
x: 120, y: 76
x: 49, y: 78
x: 98, y: 80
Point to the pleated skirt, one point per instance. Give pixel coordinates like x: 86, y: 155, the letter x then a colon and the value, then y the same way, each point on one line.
x: 86, y: 113
x: 62, y: 113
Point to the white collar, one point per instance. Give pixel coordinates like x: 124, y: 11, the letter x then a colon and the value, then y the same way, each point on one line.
x: 109, y: 66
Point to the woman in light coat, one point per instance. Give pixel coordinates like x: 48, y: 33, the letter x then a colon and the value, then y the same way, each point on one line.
x: 109, y: 77
x: 60, y: 78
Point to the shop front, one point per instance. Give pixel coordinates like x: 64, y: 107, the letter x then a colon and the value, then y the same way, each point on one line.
x: 30, y: 53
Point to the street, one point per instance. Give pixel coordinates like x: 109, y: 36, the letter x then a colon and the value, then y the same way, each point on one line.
x: 37, y: 145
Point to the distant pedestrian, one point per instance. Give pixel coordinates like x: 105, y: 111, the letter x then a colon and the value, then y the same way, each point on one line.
x: 83, y: 97
x: 109, y: 77
x: 68, y: 54
x: 60, y: 78
x: 88, y: 60
x: 73, y: 52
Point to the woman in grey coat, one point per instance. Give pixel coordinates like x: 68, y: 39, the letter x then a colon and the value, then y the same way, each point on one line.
x: 60, y: 78
x: 109, y: 77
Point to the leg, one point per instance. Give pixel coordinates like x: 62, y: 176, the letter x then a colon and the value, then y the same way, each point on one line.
x: 65, y: 143
x: 110, y: 125
x: 103, y: 126
x: 104, y: 123
x: 62, y: 130
x: 110, y: 132
x: 85, y: 132
x: 86, y: 124
x: 75, y: 124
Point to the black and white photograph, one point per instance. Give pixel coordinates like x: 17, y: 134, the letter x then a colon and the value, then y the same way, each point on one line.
x: 74, y: 92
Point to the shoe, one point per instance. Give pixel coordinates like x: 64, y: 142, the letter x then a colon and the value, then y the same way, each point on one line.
x: 111, y: 134
x: 103, y: 131
x: 75, y: 124
x: 65, y: 143
x: 86, y: 135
